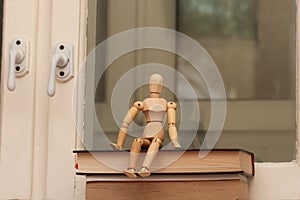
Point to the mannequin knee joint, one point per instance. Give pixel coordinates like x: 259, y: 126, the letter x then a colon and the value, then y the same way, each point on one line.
x: 157, y: 140
x: 138, y: 140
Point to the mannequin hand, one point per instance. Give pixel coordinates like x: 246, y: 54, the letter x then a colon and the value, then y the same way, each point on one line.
x: 175, y: 144
x: 116, y: 147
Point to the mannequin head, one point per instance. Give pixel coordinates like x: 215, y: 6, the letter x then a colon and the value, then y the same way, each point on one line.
x: 155, y: 85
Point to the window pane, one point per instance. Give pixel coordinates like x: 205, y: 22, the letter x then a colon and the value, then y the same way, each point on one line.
x: 252, y: 42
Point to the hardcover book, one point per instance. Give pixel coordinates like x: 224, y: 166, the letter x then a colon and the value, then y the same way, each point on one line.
x: 169, y: 162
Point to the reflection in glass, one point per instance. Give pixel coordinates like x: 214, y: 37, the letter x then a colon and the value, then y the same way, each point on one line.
x: 252, y: 43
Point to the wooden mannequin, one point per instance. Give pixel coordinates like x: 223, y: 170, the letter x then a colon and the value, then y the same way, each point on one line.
x: 154, y: 109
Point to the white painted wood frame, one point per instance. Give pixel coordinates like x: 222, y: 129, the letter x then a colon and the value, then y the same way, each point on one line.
x: 37, y: 131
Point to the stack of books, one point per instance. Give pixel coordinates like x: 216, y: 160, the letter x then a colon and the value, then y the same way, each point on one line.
x: 220, y: 174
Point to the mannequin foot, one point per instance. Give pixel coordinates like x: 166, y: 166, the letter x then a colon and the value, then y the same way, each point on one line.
x: 130, y: 173
x: 144, y: 172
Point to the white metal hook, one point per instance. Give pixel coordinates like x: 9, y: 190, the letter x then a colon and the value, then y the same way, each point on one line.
x: 16, y: 56
x: 58, y: 60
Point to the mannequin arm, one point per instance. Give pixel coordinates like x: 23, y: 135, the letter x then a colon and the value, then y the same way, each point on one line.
x: 131, y: 114
x: 172, y: 124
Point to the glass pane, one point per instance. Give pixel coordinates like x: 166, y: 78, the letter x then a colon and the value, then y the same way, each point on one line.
x: 252, y: 43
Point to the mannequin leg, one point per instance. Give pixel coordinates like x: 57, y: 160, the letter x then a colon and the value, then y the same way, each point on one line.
x: 151, y: 153
x: 134, y: 155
